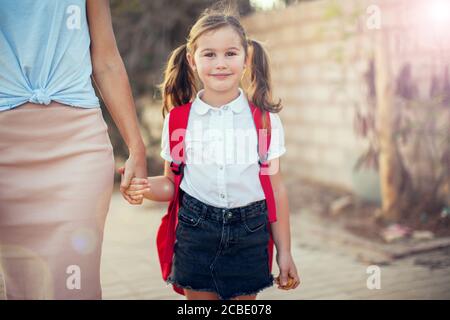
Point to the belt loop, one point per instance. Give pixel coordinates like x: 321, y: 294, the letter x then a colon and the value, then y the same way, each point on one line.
x: 204, y: 210
x: 242, y: 211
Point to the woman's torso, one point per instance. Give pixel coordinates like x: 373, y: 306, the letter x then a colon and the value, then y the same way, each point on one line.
x: 45, y: 53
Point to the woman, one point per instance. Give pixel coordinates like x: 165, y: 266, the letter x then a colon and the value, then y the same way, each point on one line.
x: 56, y: 164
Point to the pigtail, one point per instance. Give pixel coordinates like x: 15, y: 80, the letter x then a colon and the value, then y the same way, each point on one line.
x: 260, y: 87
x: 179, y: 85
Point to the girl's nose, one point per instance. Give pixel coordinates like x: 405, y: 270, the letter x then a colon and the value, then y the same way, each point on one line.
x: 221, y: 64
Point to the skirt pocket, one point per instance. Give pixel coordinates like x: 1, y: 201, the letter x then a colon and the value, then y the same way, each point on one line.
x: 189, y: 217
x: 255, y: 223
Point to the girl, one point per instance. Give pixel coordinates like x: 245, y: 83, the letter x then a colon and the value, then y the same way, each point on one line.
x: 222, y: 233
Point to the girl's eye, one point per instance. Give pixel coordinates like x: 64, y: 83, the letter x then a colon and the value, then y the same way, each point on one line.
x: 231, y: 53
x: 209, y: 54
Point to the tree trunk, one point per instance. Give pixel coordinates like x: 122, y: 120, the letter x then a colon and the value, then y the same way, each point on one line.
x: 388, y: 157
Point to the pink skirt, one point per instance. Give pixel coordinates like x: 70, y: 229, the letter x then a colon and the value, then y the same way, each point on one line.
x: 56, y: 181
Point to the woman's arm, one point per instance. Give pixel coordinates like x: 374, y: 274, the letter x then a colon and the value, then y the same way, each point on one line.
x: 281, y: 231
x: 111, y: 79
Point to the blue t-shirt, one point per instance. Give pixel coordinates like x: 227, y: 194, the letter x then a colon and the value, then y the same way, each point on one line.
x: 45, y: 54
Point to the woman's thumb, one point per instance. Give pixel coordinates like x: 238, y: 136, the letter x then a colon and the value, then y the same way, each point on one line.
x: 126, y: 179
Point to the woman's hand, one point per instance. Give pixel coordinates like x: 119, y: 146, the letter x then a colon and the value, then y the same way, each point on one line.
x: 135, y: 167
x: 288, y: 277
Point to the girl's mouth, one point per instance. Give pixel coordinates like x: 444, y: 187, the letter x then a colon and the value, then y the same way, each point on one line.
x: 221, y: 76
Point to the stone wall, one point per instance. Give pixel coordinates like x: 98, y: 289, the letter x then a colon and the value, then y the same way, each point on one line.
x: 320, y: 54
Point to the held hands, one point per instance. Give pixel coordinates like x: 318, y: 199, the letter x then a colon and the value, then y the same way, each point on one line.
x: 135, y: 166
x: 137, y: 189
x: 288, y: 277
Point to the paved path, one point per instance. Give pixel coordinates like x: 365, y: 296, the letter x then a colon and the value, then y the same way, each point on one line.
x: 130, y: 268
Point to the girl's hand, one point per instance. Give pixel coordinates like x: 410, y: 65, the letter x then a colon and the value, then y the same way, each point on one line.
x: 288, y: 277
x: 137, y: 189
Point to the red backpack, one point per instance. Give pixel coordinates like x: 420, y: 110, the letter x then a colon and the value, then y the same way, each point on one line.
x: 177, y: 128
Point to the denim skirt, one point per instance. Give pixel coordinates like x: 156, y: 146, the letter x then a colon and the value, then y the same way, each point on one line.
x: 221, y: 250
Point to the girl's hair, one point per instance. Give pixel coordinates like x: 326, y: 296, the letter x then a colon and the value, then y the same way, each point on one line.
x: 180, y: 83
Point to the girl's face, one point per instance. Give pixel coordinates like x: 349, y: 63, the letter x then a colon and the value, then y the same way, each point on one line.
x: 219, y: 60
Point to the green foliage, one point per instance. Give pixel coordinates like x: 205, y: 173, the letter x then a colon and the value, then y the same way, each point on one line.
x: 333, y: 10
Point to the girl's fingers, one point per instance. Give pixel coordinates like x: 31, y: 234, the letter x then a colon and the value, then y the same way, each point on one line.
x: 139, y: 181
x: 293, y: 282
x: 283, y: 277
x: 293, y: 273
x: 137, y: 192
x: 278, y: 282
x: 130, y: 199
x: 135, y: 187
x: 295, y: 279
x: 125, y: 196
x: 133, y: 201
x: 137, y: 198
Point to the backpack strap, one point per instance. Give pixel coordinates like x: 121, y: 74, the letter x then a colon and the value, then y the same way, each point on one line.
x: 165, y: 240
x: 178, y: 121
x: 264, y: 137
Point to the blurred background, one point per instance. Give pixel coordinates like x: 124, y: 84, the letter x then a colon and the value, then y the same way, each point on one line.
x: 365, y: 87
x: 364, y: 84
x: 366, y: 93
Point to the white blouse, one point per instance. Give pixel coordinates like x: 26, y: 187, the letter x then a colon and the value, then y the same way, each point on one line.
x: 222, y: 167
